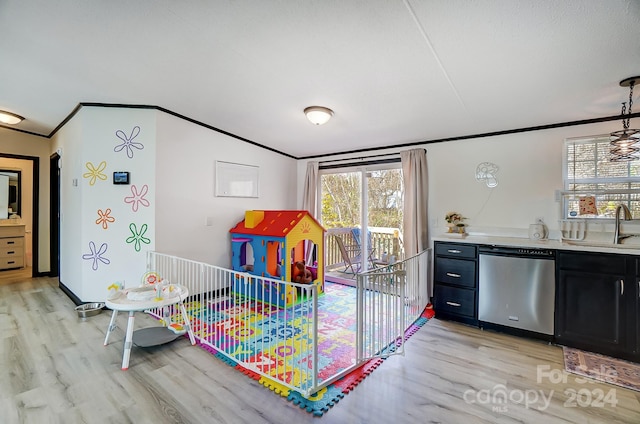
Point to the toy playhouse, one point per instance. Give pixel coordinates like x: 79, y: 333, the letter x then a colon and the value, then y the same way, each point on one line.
x: 269, y: 244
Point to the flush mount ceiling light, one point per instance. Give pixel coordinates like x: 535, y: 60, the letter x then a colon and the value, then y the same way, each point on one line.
x: 624, y: 143
x: 318, y: 115
x: 10, y: 118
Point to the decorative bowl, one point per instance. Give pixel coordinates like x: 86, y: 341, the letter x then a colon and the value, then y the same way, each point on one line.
x: 89, y: 309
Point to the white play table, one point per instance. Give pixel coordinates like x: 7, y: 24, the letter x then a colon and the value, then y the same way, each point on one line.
x: 120, y: 302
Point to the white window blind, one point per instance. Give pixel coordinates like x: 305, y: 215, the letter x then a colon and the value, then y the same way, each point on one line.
x: 589, y: 172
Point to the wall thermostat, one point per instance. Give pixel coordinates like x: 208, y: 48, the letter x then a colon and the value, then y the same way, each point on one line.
x: 121, y: 177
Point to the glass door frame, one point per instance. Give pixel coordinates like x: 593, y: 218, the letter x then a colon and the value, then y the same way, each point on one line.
x: 363, y: 170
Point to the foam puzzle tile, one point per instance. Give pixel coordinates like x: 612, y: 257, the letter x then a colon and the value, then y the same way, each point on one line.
x: 251, y: 374
x: 318, y: 403
x: 355, y: 377
x: 277, y: 388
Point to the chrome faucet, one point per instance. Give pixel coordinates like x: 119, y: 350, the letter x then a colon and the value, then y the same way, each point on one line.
x: 617, y: 237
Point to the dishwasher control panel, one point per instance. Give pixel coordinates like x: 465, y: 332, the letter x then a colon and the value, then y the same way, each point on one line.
x: 536, y: 252
x: 517, y: 251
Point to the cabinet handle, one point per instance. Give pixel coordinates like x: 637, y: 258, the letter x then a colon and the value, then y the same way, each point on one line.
x: 639, y: 289
x: 621, y: 287
x: 457, y: 305
x: 10, y: 242
x: 11, y: 252
x: 454, y: 251
x: 451, y: 274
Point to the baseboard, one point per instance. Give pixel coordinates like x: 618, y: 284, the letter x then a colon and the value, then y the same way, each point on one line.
x: 69, y: 293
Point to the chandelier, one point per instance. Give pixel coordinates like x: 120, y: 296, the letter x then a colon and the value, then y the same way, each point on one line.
x: 624, y: 143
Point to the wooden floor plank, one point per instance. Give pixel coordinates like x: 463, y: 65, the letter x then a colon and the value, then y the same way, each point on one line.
x: 54, y: 368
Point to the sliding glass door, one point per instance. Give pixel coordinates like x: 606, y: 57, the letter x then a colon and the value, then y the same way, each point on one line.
x: 362, y: 206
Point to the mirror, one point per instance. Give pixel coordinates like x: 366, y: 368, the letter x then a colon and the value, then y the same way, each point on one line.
x: 10, y: 190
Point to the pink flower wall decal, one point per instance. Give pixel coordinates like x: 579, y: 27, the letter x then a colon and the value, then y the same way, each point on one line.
x: 137, y: 198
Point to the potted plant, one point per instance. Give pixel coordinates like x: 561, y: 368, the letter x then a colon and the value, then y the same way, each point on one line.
x: 455, y: 222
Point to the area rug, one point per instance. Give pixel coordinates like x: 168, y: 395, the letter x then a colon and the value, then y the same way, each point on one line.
x: 228, y: 324
x: 602, y: 368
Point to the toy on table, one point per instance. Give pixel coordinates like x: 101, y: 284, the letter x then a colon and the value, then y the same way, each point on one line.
x: 115, y: 289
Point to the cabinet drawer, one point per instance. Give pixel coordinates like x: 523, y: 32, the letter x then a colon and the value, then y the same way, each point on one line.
x: 591, y: 262
x: 12, y: 242
x: 455, y: 250
x: 11, y: 252
x: 11, y: 230
x: 17, y: 262
x: 453, y: 300
x: 460, y: 272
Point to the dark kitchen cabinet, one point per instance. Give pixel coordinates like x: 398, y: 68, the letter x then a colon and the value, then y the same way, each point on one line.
x: 596, y: 308
x: 455, y: 281
x: 635, y: 310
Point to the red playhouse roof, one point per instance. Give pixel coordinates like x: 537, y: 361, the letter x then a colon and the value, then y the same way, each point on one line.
x: 274, y: 224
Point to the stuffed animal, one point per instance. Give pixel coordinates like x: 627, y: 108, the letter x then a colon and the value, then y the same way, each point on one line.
x: 303, y: 275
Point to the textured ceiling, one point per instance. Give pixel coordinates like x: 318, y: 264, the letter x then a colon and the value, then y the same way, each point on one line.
x: 394, y: 71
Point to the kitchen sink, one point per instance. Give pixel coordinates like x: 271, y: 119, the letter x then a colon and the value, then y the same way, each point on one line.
x: 611, y: 245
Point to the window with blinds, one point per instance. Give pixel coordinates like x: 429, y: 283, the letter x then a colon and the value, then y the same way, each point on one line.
x: 589, y: 174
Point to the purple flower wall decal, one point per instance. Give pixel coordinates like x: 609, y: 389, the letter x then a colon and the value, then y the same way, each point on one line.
x: 96, y: 255
x: 127, y: 141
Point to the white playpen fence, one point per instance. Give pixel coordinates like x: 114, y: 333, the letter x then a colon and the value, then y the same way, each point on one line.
x: 389, y: 300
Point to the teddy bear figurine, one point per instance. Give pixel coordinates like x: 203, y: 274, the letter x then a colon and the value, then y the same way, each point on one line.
x: 303, y: 275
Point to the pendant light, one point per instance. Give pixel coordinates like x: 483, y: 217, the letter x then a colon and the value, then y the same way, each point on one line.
x: 624, y: 143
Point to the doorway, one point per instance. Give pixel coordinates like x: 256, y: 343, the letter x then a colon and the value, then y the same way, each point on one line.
x: 54, y: 214
x: 363, y: 207
x: 28, y: 195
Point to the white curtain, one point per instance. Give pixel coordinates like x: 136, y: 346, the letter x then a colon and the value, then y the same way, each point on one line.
x: 310, y: 194
x: 414, y: 175
x: 309, y: 201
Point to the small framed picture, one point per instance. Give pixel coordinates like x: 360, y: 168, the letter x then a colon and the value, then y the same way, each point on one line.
x: 121, y: 177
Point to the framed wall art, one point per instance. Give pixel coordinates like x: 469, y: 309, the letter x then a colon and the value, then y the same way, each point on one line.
x: 236, y: 180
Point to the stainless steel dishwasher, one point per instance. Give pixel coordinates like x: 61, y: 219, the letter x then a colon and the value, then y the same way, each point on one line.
x: 516, y: 287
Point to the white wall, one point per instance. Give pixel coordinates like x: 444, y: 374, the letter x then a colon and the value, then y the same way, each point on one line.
x: 90, y: 138
x: 186, y: 155
x: 530, y: 170
x: 17, y: 143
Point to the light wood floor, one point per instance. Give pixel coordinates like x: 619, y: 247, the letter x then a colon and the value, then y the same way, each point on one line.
x: 55, y: 369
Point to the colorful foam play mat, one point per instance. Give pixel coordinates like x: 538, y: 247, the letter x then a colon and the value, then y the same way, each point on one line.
x: 336, y: 341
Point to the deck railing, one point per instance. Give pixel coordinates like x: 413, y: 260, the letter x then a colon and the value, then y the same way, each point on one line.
x: 386, y: 244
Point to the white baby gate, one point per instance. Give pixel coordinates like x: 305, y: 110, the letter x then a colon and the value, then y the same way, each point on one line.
x: 387, y: 304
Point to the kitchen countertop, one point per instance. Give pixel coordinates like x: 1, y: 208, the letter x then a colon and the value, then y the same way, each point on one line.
x: 580, y: 246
